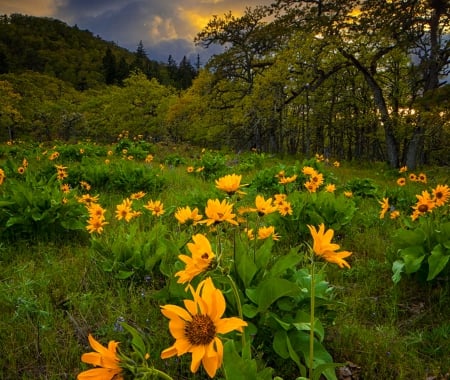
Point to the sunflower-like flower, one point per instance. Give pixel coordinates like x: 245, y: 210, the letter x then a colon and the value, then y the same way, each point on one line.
x: 96, y: 211
x: 401, y: 181
x: 279, y: 199
x: 284, y: 208
x: 394, y: 214
x: 323, y: 247
x: 249, y: 233
x: 105, y: 359
x: 186, y: 215
x: 201, y: 260
x: 95, y: 224
x: 266, y: 232
x: 65, y: 188
x: 348, y: 194
x: 384, y: 207
x: 84, y: 185
x: 218, y: 212
x: 308, y: 170
x: 403, y: 169
x: 330, y: 188
x: 196, y: 327
x: 311, y: 186
x: 441, y: 194
x: 138, y: 195
x: 124, y: 211
x: 156, y: 207
x: 88, y: 199
x: 264, y: 206
x: 422, y: 177
x: 424, y: 204
x: 230, y: 183
x: 285, y: 180
x: 317, y: 179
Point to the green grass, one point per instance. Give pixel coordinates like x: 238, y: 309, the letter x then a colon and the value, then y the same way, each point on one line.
x: 54, y: 293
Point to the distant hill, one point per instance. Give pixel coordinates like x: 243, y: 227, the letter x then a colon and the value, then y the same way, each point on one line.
x: 51, y: 47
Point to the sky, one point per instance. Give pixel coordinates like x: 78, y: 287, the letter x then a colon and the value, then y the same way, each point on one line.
x: 165, y: 27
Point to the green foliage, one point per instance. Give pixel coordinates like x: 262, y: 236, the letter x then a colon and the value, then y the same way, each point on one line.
x: 122, y: 176
x: 364, y: 187
x: 213, y: 163
x: 335, y: 211
x: 174, y: 160
x: 36, y: 208
x: 423, y: 249
x: 266, y: 182
x: 133, y: 252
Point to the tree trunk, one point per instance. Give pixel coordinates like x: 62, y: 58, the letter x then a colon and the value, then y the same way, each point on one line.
x: 414, y: 148
x: 380, y: 103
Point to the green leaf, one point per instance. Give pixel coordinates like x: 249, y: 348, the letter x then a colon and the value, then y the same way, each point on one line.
x: 407, y: 238
x: 137, y: 342
x: 283, y: 263
x: 236, y: 368
x: 397, y: 269
x: 437, y: 261
x: 326, y: 369
x: 271, y: 289
x: 246, y: 268
x: 249, y: 311
x: 413, y: 257
x: 263, y: 254
x: 123, y: 275
x: 279, y: 344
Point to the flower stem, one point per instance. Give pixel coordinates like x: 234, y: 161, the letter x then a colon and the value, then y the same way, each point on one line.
x: 238, y: 304
x: 161, y: 374
x: 312, y: 317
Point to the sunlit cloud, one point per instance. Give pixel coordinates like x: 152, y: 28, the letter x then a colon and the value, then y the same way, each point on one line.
x: 164, y: 26
x: 40, y: 8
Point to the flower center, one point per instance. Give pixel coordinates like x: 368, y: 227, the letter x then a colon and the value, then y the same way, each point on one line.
x: 205, y: 256
x: 423, y: 208
x: 439, y: 195
x: 201, y: 330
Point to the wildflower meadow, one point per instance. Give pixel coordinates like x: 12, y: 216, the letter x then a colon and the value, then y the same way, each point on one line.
x: 141, y: 260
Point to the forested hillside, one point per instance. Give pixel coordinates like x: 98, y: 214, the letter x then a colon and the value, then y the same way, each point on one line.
x: 51, y: 47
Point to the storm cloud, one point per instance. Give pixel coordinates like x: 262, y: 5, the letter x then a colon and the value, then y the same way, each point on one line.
x: 165, y: 27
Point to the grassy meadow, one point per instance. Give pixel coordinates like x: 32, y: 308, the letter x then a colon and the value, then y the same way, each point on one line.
x: 90, y: 238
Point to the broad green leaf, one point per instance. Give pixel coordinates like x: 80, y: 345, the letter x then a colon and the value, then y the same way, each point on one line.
x: 249, y: 311
x: 407, y: 238
x: 397, y: 269
x: 294, y: 356
x: 437, y: 261
x: 283, y: 263
x: 413, y: 257
x: 279, y: 344
x: 246, y: 268
x: 236, y: 368
x: 136, y: 341
x: 300, y: 342
x: 263, y: 254
x: 271, y: 289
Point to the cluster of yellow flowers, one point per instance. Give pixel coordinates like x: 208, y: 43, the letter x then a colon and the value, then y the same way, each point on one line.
x: 412, y: 177
x: 314, y: 181
x: 426, y: 202
x: 197, y: 326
